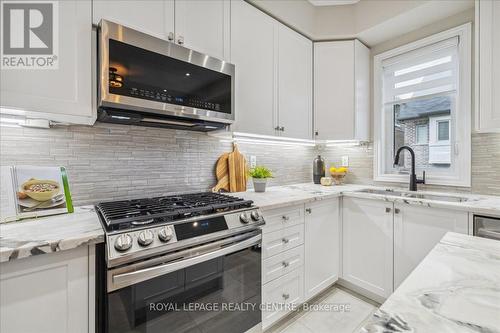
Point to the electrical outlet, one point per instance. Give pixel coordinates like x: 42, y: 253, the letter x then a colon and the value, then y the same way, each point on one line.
x: 345, y: 161
x: 253, y: 161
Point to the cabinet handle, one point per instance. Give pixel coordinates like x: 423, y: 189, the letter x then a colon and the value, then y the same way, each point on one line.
x: 397, y: 211
x: 285, y: 240
x: 286, y: 296
x: 285, y: 264
x: 180, y: 40
x: 285, y: 218
x: 282, y: 129
x: 387, y: 210
x: 309, y: 210
x: 316, y: 133
x: 170, y: 36
x: 277, y: 128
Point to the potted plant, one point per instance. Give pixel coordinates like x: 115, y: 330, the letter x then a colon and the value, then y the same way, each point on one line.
x: 259, y: 175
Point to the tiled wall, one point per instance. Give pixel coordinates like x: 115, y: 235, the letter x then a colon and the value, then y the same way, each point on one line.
x: 109, y: 162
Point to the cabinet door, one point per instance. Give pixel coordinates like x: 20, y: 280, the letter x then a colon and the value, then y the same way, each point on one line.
x: 52, y: 288
x: 417, y: 230
x: 322, y: 246
x: 334, y: 90
x: 63, y: 94
x: 252, y: 52
x: 154, y: 17
x: 488, y: 45
x: 367, y: 230
x: 204, y: 26
x: 294, y: 84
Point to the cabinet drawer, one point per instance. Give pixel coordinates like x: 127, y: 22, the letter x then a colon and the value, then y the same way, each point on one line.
x: 277, y: 219
x: 282, y: 295
x: 282, y: 240
x: 282, y: 264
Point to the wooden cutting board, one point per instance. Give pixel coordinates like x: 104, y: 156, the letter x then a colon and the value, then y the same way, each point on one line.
x: 237, y: 165
x: 222, y: 174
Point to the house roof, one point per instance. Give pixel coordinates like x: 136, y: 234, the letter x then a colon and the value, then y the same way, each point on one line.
x: 423, y: 108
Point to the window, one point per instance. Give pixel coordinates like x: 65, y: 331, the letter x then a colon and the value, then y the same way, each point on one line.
x: 422, y: 132
x: 422, y: 100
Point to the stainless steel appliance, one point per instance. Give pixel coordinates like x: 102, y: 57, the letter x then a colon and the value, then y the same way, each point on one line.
x: 184, y: 263
x: 487, y: 227
x: 144, y: 80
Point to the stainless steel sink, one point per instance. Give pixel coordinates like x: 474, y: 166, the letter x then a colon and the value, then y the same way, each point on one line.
x: 425, y: 196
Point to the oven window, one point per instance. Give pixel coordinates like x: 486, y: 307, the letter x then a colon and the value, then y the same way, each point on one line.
x: 143, y: 74
x: 220, y: 295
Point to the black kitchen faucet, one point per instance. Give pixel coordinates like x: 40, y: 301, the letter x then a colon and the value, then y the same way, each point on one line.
x: 413, y: 177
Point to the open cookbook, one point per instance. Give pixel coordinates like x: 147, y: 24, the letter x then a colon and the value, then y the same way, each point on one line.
x: 31, y: 191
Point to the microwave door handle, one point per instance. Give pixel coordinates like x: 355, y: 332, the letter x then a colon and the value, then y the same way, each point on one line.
x: 485, y: 233
x: 127, y: 279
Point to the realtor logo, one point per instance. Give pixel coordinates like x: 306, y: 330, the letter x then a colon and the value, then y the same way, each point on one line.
x: 29, y: 35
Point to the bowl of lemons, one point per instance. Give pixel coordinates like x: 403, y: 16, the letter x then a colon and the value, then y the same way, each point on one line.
x: 338, y: 174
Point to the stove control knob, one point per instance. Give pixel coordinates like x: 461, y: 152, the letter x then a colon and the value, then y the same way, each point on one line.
x: 123, y: 242
x: 165, y: 234
x: 244, y: 218
x: 255, y: 215
x: 145, y: 238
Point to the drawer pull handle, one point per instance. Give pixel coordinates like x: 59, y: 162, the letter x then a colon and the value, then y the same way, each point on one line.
x: 285, y: 218
x: 285, y: 264
x: 286, y: 296
x: 397, y: 211
x: 387, y: 210
x: 285, y: 240
x: 309, y: 210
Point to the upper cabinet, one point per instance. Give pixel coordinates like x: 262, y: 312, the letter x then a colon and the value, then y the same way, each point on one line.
x: 273, y: 75
x: 488, y: 66
x: 200, y: 25
x: 151, y: 16
x: 341, y: 90
x: 62, y: 94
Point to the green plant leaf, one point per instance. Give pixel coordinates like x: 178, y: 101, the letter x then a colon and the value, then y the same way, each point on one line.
x: 260, y: 172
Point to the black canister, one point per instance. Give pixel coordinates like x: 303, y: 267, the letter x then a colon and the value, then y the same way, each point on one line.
x: 318, y: 169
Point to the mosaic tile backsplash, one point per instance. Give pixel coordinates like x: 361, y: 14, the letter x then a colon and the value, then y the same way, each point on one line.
x: 111, y: 162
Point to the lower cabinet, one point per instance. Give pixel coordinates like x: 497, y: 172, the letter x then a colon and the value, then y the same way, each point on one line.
x: 322, y: 246
x: 48, y: 293
x: 367, y: 244
x: 417, y: 230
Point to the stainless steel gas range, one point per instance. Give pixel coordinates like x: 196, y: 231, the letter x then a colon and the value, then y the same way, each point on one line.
x: 183, y: 263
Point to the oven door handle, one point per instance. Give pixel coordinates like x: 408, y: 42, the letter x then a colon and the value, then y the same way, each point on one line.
x: 486, y: 233
x: 127, y: 279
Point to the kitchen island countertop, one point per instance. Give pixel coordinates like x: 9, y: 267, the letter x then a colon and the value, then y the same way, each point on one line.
x: 456, y: 288
x: 55, y: 233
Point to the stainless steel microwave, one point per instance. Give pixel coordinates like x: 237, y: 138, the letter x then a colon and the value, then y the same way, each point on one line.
x: 145, y: 80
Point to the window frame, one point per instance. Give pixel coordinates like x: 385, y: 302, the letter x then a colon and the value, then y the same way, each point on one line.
x: 461, y: 120
x: 426, y: 126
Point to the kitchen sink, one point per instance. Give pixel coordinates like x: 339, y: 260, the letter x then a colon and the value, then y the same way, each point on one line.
x: 425, y: 196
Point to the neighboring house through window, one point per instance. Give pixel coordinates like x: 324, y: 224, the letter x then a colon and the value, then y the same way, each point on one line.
x: 422, y: 98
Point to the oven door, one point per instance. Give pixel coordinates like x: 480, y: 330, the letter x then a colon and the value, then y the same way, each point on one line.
x: 213, y: 288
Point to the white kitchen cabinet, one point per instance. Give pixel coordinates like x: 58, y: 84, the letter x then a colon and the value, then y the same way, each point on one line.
x: 48, y: 293
x: 294, y: 84
x: 367, y: 243
x: 252, y: 53
x: 282, y: 263
x: 278, y: 241
x: 487, y: 66
x: 204, y: 26
x: 154, y: 17
x: 322, y: 246
x: 417, y: 230
x: 273, y: 75
x: 341, y: 90
x: 63, y: 94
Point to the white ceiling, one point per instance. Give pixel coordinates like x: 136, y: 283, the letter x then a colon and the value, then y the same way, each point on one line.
x: 332, y: 2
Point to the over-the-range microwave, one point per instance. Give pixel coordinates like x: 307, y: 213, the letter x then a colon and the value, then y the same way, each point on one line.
x: 145, y: 80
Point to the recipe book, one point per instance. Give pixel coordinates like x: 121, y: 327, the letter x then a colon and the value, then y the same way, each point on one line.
x: 32, y: 191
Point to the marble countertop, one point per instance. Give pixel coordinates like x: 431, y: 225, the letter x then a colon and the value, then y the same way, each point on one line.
x: 282, y: 196
x: 456, y: 288
x: 31, y: 237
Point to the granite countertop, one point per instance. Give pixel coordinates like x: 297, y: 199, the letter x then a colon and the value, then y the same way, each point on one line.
x: 282, y: 196
x: 456, y: 288
x: 55, y: 233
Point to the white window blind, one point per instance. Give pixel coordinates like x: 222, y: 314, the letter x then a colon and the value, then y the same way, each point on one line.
x: 426, y: 72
